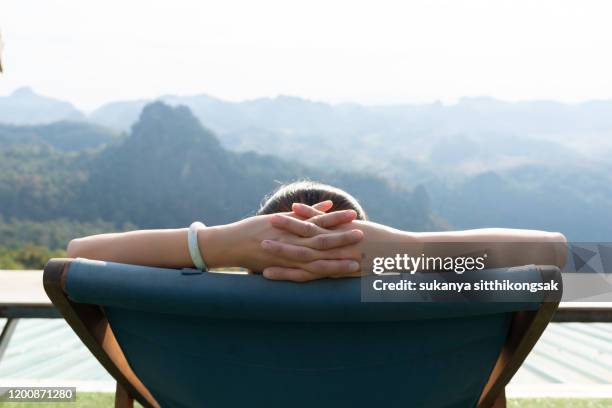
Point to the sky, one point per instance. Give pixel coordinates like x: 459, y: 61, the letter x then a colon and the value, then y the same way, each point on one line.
x: 372, y: 52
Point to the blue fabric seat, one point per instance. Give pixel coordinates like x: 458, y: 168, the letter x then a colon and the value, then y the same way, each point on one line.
x: 226, y: 340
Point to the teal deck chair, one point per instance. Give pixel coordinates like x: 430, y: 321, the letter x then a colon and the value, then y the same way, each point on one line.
x: 180, y: 338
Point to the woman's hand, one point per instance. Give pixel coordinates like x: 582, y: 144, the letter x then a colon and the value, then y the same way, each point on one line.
x: 375, y: 237
x: 309, y: 247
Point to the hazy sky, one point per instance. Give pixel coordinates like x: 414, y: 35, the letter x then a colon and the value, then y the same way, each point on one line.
x: 365, y: 51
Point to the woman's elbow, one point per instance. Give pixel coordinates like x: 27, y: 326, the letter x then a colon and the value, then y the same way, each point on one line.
x: 558, y: 237
x: 559, y: 242
x: 100, y: 247
x: 74, y: 248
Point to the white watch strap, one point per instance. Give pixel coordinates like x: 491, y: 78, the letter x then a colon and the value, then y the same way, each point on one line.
x: 194, y: 248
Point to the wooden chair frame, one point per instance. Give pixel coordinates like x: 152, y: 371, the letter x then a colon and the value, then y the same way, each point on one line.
x: 90, y: 324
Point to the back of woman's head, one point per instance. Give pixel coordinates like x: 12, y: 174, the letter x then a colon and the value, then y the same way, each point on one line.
x: 310, y: 193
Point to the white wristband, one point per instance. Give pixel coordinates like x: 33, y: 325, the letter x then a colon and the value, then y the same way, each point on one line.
x: 194, y: 248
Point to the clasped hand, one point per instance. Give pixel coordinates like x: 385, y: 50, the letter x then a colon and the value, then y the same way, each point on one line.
x: 302, y: 245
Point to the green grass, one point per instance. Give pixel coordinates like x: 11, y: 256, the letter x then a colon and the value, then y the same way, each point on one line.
x: 104, y: 400
x: 559, y: 403
x: 84, y: 400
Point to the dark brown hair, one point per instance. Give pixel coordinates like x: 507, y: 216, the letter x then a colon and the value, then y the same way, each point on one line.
x: 310, y: 193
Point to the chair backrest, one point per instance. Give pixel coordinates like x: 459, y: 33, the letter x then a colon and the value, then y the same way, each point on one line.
x: 176, y: 338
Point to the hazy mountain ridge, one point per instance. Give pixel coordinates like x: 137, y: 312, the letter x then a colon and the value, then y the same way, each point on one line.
x: 577, y: 203
x: 168, y: 172
x: 396, y: 133
x: 24, y: 107
x: 504, y: 134
x: 551, y: 161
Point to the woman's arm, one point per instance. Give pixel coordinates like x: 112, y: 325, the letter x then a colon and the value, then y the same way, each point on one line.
x: 237, y: 244
x: 503, y: 247
x: 164, y: 248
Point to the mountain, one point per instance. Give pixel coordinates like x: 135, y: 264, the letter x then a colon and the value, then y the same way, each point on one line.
x: 550, y: 161
x: 170, y: 171
x: 170, y: 155
x: 24, y: 107
x: 577, y: 202
x: 407, y: 142
x: 383, y: 138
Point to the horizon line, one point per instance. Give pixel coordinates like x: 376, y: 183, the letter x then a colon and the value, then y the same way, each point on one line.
x: 334, y: 103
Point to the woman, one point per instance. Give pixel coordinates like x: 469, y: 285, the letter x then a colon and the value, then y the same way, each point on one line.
x: 308, y: 230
